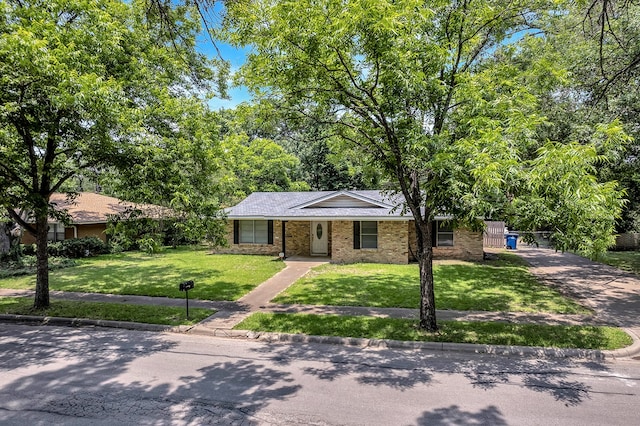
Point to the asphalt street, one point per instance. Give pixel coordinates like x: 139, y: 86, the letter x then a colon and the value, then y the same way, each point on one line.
x: 51, y: 375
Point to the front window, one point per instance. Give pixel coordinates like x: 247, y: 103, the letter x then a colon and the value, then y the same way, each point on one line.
x: 444, y: 234
x: 368, y: 234
x: 253, y: 232
x: 56, y: 232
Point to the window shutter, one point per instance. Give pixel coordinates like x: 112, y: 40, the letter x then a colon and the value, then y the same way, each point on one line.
x: 270, y: 232
x: 434, y: 233
x: 236, y: 232
x: 356, y: 235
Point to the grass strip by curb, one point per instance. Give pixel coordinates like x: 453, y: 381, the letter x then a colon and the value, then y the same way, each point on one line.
x: 148, y: 314
x: 490, y: 333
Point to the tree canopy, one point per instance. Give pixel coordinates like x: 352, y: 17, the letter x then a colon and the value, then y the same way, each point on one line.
x: 86, y: 85
x: 435, y: 93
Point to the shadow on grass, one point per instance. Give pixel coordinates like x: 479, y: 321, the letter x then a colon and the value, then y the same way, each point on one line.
x: 465, y: 286
x: 222, y: 278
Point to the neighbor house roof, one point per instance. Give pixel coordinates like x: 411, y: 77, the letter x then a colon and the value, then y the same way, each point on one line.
x: 320, y: 205
x: 88, y: 207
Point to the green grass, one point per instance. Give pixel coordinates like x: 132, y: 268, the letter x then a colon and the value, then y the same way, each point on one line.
x: 492, y: 333
x: 149, y: 314
x: 216, y: 277
x: 500, y: 285
x: 626, y: 260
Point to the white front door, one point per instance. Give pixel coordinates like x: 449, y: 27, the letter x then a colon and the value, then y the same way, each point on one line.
x: 319, y: 238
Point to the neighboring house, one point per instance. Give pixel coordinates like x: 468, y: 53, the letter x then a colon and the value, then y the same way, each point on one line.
x: 89, y: 214
x: 346, y: 226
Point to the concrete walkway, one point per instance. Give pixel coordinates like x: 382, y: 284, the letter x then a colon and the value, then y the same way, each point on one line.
x: 256, y: 300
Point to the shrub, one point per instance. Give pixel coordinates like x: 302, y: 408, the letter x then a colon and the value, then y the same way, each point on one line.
x: 76, y: 248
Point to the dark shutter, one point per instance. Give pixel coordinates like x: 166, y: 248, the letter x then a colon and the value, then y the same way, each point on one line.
x: 434, y: 232
x: 270, y: 232
x: 236, y: 232
x: 356, y: 235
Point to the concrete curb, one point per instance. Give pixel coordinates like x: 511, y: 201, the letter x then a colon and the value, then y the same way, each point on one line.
x: 80, y: 322
x: 500, y: 350
x: 629, y: 351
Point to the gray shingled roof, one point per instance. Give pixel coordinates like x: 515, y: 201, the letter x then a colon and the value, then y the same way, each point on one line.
x: 300, y: 205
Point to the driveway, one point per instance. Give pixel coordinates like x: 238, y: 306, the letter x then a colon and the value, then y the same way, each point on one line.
x: 613, y: 294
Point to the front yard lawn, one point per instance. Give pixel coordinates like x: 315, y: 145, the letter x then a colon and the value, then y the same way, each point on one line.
x: 490, y: 333
x: 626, y: 260
x: 216, y: 277
x: 149, y: 314
x: 498, y: 285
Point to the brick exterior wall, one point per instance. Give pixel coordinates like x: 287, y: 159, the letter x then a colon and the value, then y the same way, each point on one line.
x: 467, y: 245
x: 396, y: 243
x: 91, y: 230
x: 298, y: 234
x: 392, y: 244
x: 264, y: 249
x: 95, y: 230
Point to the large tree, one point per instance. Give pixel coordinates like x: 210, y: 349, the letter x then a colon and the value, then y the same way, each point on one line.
x: 417, y: 86
x: 83, y: 85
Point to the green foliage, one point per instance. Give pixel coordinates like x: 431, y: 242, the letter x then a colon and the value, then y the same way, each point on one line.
x: 76, y: 248
x: 487, y: 333
x: 87, y: 85
x: 26, y: 265
x: 564, y: 197
x: 324, y: 162
x: 597, y: 43
x: 257, y: 165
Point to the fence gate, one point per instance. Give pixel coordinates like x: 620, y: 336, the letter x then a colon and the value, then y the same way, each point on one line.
x: 494, y: 234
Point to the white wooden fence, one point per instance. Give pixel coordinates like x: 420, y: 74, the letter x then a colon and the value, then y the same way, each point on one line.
x: 494, y: 234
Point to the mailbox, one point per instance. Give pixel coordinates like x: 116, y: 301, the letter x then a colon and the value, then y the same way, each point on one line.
x: 186, y: 285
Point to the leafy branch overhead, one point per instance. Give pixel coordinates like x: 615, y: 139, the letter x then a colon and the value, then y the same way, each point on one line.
x: 438, y: 95
x: 86, y: 86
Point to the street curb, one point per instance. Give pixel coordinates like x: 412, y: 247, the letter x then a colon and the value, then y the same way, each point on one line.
x: 500, y: 350
x: 629, y: 351
x: 79, y: 322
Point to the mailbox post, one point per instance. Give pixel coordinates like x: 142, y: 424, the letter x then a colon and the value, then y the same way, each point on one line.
x: 186, y: 286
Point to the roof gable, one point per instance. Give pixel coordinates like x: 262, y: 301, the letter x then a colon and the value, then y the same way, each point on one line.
x: 319, y: 205
x: 343, y: 199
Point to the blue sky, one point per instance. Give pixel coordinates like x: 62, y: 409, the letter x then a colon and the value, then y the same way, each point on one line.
x: 236, y: 57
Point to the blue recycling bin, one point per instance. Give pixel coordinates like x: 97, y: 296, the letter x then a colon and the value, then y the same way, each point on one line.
x: 511, y: 241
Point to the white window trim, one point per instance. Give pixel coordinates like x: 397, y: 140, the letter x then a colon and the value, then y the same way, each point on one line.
x: 376, y: 234
x: 253, y: 232
x: 443, y: 232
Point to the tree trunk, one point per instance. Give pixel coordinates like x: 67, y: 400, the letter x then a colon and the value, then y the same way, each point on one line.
x: 42, y: 282
x: 5, y: 237
x: 425, y: 261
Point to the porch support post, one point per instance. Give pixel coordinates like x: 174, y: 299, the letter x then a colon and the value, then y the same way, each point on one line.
x: 284, y: 239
